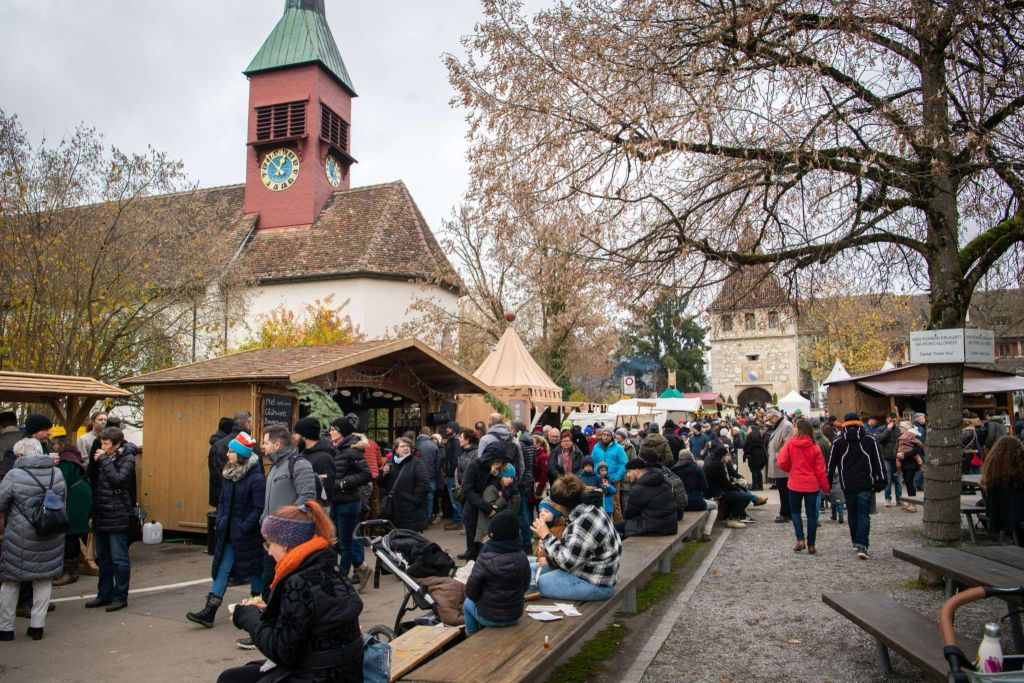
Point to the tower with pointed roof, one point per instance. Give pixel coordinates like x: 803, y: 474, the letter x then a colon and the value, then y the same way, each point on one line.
x: 753, y: 335
x: 299, y: 120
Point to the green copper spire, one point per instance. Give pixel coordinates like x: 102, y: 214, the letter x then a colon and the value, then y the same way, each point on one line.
x: 301, y: 37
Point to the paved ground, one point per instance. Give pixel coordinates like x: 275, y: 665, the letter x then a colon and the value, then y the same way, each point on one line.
x: 758, y: 615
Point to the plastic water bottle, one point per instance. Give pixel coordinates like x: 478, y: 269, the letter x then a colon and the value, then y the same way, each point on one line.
x: 153, y: 533
x: 990, y: 652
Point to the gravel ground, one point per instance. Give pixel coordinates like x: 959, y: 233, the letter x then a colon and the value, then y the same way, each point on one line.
x: 758, y: 614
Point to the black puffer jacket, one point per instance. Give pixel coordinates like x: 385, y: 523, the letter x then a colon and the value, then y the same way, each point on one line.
x: 408, y: 482
x: 312, y: 611
x: 499, y: 580
x: 113, y: 486
x: 215, y: 461
x: 651, y: 507
x: 350, y: 470
x: 529, y: 451
x: 717, y: 474
x: 754, y: 450
x: 696, y: 483
x: 321, y: 456
x: 478, y: 476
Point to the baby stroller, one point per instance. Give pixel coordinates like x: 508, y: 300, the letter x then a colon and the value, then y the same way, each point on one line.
x: 407, y: 555
x: 961, y: 669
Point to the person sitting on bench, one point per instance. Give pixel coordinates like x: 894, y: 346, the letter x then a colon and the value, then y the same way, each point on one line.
x: 584, y: 563
x: 500, y: 577
x: 732, y: 500
x: 650, y: 509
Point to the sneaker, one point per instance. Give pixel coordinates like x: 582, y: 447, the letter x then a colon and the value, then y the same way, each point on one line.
x: 781, y: 520
x: 747, y: 519
x: 705, y: 538
x: 761, y: 500
x: 453, y: 526
x: 862, y: 553
x: 735, y: 524
x: 245, y: 644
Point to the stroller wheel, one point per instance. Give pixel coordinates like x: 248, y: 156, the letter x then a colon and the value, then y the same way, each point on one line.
x: 381, y: 633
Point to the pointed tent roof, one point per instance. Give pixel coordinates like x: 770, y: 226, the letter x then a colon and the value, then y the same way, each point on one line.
x: 671, y: 392
x: 511, y: 365
x: 887, y: 365
x: 838, y: 373
x: 793, y: 401
x: 301, y: 36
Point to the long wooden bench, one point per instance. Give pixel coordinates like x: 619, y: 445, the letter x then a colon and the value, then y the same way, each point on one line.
x: 895, y: 627
x: 416, y: 645
x: 517, y: 652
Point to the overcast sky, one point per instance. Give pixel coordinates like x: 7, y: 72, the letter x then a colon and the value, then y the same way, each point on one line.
x: 168, y: 74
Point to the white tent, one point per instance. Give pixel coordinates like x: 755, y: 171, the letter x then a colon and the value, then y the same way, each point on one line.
x: 662, y: 408
x: 888, y: 365
x: 791, y: 401
x: 838, y: 373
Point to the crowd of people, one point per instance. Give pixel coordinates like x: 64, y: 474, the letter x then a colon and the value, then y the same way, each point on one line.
x: 543, y: 511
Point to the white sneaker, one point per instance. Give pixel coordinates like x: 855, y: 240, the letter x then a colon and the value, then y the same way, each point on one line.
x: 735, y: 524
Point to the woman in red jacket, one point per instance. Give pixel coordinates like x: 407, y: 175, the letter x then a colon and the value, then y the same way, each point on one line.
x: 801, y: 457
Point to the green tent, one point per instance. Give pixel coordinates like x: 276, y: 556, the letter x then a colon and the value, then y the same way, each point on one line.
x: 671, y: 392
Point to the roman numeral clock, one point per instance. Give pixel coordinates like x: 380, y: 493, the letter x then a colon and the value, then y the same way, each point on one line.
x: 280, y: 169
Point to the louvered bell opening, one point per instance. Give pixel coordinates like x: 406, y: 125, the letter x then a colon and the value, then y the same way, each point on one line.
x: 281, y: 121
x: 333, y: 129
x: 297, y: 118
x: 263, y: 121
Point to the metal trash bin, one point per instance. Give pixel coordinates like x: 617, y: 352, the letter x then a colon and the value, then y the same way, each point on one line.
x: 211, y: 532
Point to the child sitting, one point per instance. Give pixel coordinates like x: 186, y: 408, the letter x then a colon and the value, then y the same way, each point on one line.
x: 500, y: 494
x: 500, y: 577
x: 608, y: 488
x: 553, y: 517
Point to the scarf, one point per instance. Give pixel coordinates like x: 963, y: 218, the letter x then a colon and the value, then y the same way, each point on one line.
x: 296, y: 556
x: 399, y: 460
x: 567, y: 460
x: 237, y: 471
x: 72, y: 455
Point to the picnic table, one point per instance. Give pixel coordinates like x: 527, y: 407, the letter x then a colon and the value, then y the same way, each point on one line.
x: 999, y: 566
x: 971, y: 480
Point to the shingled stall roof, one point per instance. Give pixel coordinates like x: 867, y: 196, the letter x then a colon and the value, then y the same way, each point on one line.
x: 297, y: 364
x: 912, y: 380
x: 30, y: 387
x: 375, y: 231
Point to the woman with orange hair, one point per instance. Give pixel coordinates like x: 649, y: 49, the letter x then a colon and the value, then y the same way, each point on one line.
x: 310, y: 629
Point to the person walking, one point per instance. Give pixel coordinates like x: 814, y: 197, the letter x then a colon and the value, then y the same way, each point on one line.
x: 782, y: 432
x: 321, y: 455
x: 79, y: 505
x: 801, y: 458
x: 427, y: 452
x: 887, y: 437
x: 351, y: 473
x: 452, y: 451
x: 404, y: 486
x: 111, y: 519
x: 909, y: 461
x: 238, y: 548
x: 856, y: 459
x: 27, y: 556
x: 756, y: 456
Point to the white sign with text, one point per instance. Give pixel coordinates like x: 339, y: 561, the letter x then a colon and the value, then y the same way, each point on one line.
x: 957, y: 345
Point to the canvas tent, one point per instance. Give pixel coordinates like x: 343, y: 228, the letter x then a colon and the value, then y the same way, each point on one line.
x: 792, y: 401
x: 655, y: 410
x: 837, y: 374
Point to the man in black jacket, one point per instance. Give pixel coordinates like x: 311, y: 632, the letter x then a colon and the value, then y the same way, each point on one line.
x: 319, y: 452
x: 650, y: 509
x: 351, y: 471
x: 526, y: 481
x: 856, y: 457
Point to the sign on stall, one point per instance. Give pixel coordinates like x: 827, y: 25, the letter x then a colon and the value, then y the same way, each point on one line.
x: 957, y: 345
x: 629, y: 385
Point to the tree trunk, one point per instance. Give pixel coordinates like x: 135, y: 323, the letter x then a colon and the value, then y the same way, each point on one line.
x: 942, y: 463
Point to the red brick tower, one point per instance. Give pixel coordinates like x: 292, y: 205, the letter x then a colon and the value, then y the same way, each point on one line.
x: 300, y: 108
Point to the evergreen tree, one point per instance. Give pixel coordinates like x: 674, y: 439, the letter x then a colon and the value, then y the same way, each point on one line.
x: 665, y: 333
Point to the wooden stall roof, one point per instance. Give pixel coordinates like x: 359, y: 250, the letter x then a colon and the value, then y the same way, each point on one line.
x: 912, y: 380
x: 296, y: 364
x: 31, y: 387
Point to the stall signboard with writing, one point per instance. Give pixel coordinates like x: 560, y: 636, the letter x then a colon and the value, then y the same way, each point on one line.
x: 957, y: 345
x: 518, y: 409
x: 277, y: 408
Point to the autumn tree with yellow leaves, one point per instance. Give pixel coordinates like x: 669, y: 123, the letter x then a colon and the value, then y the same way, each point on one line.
x: 319, y: 322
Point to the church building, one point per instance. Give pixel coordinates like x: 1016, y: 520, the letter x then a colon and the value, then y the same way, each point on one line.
x: 299, y: 230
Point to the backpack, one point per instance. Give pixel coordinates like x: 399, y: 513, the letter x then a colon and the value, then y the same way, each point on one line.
x: 51, y: 517
x: 678, y: 490
x: 321, y: 493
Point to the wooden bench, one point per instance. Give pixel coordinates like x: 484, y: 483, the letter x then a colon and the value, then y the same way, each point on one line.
x: 969, y: 510
x: 517, y: 653
x: 893, y: 626
x: 418, y: 644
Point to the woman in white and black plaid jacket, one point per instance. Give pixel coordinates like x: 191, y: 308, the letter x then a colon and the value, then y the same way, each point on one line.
x: 584, y: 563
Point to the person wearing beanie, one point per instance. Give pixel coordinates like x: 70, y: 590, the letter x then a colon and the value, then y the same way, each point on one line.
x: 857, y: 462
x: 320, y: 453
x: 588, y: 553
x: 659, y: 444
x: 239, y: 546
x: 592, y: 481
x: 223, y: 429
x: 501, y: 493
x: 217, y: 457
x: 732, y: 500
x: 310, y: 625
x: 650, y: 509
x: 697, y: 489
x: 608, y: 451
x: 552, y: 515
x: 351, y: 472
x: 500, y: 578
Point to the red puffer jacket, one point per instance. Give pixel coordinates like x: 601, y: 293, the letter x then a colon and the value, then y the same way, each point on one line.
x: 801, y: 457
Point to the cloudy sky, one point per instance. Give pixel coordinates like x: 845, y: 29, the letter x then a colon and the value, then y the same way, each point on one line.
x: 168, y: 74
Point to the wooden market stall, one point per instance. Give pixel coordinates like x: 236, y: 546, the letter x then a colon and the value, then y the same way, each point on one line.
x: 902, y: 390
x: 393, y: 385
x: 70, y: 398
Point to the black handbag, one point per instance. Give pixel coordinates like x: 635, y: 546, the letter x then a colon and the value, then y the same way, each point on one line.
x: 135, y: 516
x: 387, y: 505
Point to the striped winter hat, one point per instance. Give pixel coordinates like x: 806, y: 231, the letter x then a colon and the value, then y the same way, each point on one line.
x: 242, y: 444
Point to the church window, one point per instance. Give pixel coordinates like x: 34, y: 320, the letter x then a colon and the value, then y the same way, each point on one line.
x: 749, y: 322
x: 773, y: 320
x: 285, y: 120
x: 727, y: 323
x: 333, y: 129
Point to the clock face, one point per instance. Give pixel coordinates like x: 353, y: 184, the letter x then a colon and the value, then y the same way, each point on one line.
x: 333, y: 168
x: 280, y: 169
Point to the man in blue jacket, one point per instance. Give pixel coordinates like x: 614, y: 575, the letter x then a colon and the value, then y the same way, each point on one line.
x: 608, y: 451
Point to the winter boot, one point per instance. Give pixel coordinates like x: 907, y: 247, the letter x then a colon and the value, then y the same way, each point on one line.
x: 35, y: 633
x: 205, y: 616
x: 70, y: 574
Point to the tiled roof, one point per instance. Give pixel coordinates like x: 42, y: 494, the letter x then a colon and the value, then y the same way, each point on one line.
x: 33, y: 387
x: 749, y: 286
x: 301, y: 36
x: 373, y: 230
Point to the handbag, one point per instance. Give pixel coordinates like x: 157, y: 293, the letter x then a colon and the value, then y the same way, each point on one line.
x: 135, y: 516
x: 387, y: 505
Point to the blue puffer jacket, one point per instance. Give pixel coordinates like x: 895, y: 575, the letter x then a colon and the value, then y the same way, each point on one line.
x: 613, y: 456
x: 238, y: 520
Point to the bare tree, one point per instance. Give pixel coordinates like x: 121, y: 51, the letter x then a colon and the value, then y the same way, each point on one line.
x: 884, y: 135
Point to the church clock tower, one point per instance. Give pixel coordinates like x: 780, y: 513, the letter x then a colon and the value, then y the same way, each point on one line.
x: 300, y: 109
